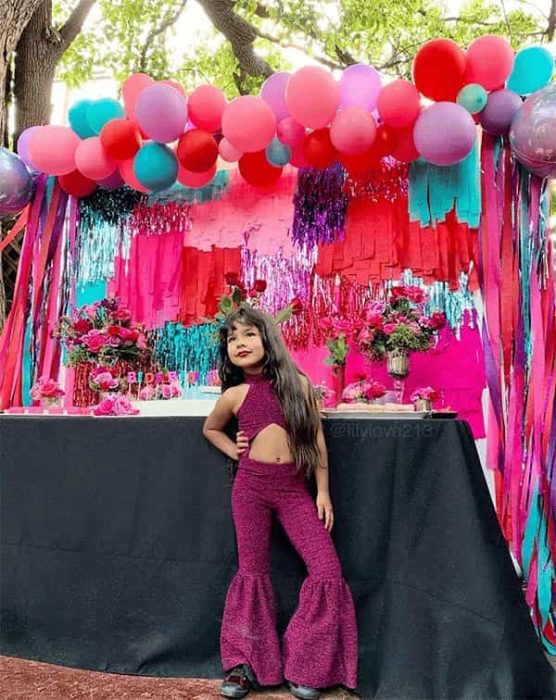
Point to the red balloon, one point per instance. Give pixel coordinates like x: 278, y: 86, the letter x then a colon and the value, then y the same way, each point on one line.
x: 439, y: 70
x: 197, y: 150
x: 359, y: 164
x: 77, y: 185
x: 257, y: 171
x: 120, y: 138
x: 318, y: 149
x: 405, y: 148
x: 385, y: 142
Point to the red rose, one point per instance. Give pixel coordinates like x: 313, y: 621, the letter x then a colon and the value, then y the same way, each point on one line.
x: 82, y: 326
x: 297, y: 306
x: 113, y: 330
x: 232, y: 278
x: 437, y: 320
x: 259, y: 286
x: 253, y: 293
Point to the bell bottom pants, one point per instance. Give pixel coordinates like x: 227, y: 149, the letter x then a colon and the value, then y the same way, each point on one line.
x: 320, y: 642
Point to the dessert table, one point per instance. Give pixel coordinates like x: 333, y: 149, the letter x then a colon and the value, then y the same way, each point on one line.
x: 118, y: 548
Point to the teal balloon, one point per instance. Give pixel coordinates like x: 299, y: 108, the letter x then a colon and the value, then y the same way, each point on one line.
x: 155, y: 166
x: 533, y: 69
x: 102, y: 111
x: 277, y: 153
x: 473, y: 98
x: 77, y: 116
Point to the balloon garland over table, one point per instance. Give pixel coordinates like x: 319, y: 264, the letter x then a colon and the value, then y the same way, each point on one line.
x: 308, y: 118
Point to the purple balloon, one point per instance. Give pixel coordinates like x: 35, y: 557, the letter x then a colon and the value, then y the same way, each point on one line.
x: 16, y: 184
x: 359, y: 87
x: 23, y: 144
x: 533, y: 132
x: 161, y: 112
x: 501, y: 108
x: 444, y: 133
x: 273, y: 93
x: 112, y: 182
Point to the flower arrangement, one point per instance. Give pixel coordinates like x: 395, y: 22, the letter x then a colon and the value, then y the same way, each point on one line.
x: 166, y: 390
x: 115, y: 405
x: 425, y: 393
x: 102, y: 333
x: 399, y: 324
x: 337, y: 331
x: 47, y: 391
x: 363, y: 391
x: 101, y: 380
x: 322, y: 391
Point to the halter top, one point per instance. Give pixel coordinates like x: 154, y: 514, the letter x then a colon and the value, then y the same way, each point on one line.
x: 260, y: 408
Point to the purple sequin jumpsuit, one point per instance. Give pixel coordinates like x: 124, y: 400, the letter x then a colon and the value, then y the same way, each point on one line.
x: 320, y: 643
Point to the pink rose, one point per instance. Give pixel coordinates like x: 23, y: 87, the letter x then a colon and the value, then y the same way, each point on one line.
x: 104, y: 408
x: 147, y: 393
x: 389, y: 328
x: 374, y: 319
x: 123, y: 407
x: 82, y: 326
x: 96, y: 342
x: 166, y: 391
x: 105, y: 381
x: 49, y: 388
x: 141, y: 342
x: 366, y: 336
x: 437, y: 320
x: 121, y: 315
x: 176, y: 390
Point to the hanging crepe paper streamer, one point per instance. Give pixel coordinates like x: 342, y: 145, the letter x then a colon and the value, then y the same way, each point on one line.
x: 181, y: 194
x: 159, y: 219
x: 519, y: 337
x: 387, y: 182
x: 433, y: 191
x: 196, y: 347
x: 320, y: 206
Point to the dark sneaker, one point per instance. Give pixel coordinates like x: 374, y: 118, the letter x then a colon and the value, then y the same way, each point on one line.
x: 238, y: 682
x: 303, y: 691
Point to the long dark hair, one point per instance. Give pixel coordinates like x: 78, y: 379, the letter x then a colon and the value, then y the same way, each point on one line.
x: 300, y: 411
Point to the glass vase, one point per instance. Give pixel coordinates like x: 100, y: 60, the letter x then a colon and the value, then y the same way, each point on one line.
x: 397, y: 366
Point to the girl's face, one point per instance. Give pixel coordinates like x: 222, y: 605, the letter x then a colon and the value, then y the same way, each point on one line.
x: 245, y: 346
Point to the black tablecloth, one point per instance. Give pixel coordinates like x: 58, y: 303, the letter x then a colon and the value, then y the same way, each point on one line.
x: 118, y: 548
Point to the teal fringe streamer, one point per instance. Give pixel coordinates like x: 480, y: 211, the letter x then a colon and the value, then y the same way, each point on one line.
x: 183, y: 349
x: 97, y: 247
x: 434, y: 190
x: 189, y: 195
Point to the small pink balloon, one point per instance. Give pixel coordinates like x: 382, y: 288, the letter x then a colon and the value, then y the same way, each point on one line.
x: 290, y: 132
x: 161, y: 112
x: 353, y: 131
x: 273, y: 93
x: 206, y: 106
x: 489, y: 61
x: 312, y: 96
x: 127, y: 172
x: 190, y: 179
x: 173, y: 83
x: 399, y: 104
x: 132, y: 88
x: 297, y: 158
x: 359, y: 87
x: 228, y: 152
x: 248, y: 123
x: 91, y: 159
x: 52, y: 149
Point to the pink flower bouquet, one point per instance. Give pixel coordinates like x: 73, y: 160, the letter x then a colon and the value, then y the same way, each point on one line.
x: 425, y: 393
x: 102, y: 380
x: 46, y: 390
x: 363, y: 391
x: 115, y: 405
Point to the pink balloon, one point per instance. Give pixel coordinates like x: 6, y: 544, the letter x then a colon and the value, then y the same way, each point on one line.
x: 161, y: 112
x: 248, y: 123
x: 228, y: 152
x: 489, y: 61
x: 52, y: 149
x: 128, y: 175
x: 359, y: 87
x: 273, y: 93
x: 23, y: 146
x: 444, y: 133
x: 312, y: 97
x: 353, y: 131
x: 91, y: 159
x: 399, y: 104
x: 189, y: 179
x: 173, y: 83
x: 290, y: 132
x: 132, y: 88
x: 206, y: 106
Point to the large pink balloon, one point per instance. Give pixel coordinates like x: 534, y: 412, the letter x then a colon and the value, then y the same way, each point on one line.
x: 399, y: 104
x: 206, y: 106
x: 161, y: 112
x: 290, y: 132
x: 273, y: 93
x: 91, y: 159
x: 353, y: 131
x: 444, y: 133
x: 248, y: 123
x: 359, y: 87
x: 52, y: 149
x: 228, y: 152
x: 489, y: 61
x: 312, y: 97
x: 189, y: 179
x: 132, y: 88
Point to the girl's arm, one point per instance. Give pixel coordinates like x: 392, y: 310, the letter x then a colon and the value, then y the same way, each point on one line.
x: 213, y: 427
x: 321, y: 472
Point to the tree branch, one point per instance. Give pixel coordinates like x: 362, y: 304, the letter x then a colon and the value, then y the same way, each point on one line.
x: 73, y: 25
x: 551, y: 29
x: 156, y: 31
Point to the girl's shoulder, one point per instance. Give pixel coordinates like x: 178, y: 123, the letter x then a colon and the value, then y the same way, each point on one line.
x: 236, y: 396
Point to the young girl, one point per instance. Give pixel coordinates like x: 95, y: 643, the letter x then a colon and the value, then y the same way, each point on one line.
x: 279, y: 445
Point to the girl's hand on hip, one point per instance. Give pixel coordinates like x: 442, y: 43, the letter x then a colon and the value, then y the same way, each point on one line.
x: 325, y: 510
x: 242, y: 443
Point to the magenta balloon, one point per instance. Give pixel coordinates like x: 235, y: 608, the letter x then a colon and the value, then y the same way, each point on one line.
x: 273, y: 93
x: 359, y: 87
x: 290, y: 132
x: 501, y: 107
x: 533, y: 132
x: 23, y: 146
x: 444, y: 133
x: 161, y: 112
x: 312, y: 96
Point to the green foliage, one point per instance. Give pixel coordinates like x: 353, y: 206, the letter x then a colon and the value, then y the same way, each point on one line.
x: 338, y: 349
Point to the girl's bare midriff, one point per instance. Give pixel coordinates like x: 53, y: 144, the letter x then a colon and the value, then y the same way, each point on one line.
x: 271, y: 444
